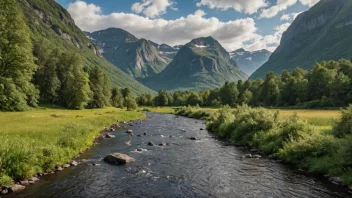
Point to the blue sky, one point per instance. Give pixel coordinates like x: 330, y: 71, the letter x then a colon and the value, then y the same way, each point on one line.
x: 249, y: 16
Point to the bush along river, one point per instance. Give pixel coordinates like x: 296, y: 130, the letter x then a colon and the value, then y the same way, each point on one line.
x: 189, y: 162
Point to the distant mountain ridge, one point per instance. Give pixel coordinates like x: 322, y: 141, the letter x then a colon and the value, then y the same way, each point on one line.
x: 167, y: 52
x: 136, y: 57
x: 324, y: 32
x: 199, y: 65
x: 248, y: 61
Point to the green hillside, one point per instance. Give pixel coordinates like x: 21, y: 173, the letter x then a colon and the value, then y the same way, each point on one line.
x: 47, y: 19
x: 322, y: 33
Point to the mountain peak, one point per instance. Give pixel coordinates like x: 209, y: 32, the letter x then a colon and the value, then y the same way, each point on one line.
x: 205, y: 41
x: 201, y: 64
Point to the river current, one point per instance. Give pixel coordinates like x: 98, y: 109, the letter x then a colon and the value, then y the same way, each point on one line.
x: 205, y: 167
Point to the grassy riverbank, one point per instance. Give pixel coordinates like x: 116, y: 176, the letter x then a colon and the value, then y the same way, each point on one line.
x: 319, y: 119
x: 35, y: 141
x: 318, y: 141
x: 314, y: 142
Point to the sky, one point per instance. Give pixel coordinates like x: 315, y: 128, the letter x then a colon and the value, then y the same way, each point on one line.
x: 249, y: 24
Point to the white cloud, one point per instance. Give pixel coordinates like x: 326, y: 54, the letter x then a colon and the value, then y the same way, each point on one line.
x: 309, y: 3
x: 232, y: 34
x: 247, y: 6
x: 290, y: 16
x: 269, y: 42
x: 280, y: 6
x: 152, y: 8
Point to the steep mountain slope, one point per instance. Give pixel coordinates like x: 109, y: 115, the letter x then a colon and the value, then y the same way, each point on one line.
x: 47, y: 19
x: 250, y: 61
x: 136, y: 57
x: 201, y: 64
x: 322, y: 33
x: 167, y: 52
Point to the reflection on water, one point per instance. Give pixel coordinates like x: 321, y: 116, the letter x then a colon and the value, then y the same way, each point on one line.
x: 185, y: 168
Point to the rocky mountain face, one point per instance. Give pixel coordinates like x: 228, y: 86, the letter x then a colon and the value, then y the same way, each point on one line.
x: 137, y: 57
x: 321, y: 33
x: 199, y: 65
x: 167, y: 52
x: 249, y: 62
x: 48, y: 20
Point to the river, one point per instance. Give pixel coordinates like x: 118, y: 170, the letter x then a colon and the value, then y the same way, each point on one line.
x: 203, y: 168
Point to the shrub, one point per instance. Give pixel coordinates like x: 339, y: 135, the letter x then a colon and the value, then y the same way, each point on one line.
x: 301, y: 150
x: 5, y: 180
x: 344, y: 126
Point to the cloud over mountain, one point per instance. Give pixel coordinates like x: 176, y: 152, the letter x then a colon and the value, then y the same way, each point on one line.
x: 232, y: 34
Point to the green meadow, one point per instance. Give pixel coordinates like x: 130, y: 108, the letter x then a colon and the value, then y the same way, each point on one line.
x: 35, y: 141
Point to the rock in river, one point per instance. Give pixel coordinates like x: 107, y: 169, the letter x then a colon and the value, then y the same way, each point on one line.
x: 193, y: 138
x: 118, y: 159
x: 247, y: 156
x: 73, y: 163
x: 16, y: 188
x: 151, y: 144
x: 129, y: 131
x: 108, y: 135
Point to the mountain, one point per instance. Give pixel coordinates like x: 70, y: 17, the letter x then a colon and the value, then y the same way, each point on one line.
x: 47, y: 19
x: 167, y: 52
x: 200, y: 64
x: 324, y: 32
x: 137, y: 57
x: 250, y: 61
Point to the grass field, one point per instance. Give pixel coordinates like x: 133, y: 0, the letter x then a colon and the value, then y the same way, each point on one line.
x: 37, y: 140
x: 320, y: 119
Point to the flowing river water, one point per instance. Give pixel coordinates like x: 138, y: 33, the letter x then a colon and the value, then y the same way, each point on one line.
x: 185, y: 168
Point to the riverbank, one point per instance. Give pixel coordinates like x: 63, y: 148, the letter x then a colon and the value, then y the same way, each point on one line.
x: 36, y: 141
x: 316, y: 141
x: 319, y: 119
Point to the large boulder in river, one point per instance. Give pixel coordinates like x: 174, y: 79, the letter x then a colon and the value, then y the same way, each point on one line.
x: 118, y: 159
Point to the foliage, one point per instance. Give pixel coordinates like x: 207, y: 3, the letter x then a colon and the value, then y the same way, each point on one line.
x: 131, y: 103
x: 328, y: 84
x: 16, y: 60
x: 100, y: 86
x: 117, y: 99
x: 344, y: 126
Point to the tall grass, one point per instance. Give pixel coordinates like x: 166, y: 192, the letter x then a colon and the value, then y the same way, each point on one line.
x: 35, y: 141
x: 294, y: 140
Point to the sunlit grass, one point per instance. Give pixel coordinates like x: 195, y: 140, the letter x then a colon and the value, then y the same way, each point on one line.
x: 35, y: 141
x: 321, y: 120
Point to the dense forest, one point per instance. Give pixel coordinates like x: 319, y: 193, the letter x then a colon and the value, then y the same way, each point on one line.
x: 33, y: 71
x: 37, y: 72
x: 328, y: 84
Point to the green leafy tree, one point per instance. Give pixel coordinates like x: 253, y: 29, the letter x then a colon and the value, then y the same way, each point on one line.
x: 131, y: 103
x: 100, y: 86
x: 46, y: 77
x: 229, y: 94
x: 16, y: 60
x: 194, y: 99
x: 247, y: 97
x: 270, y: 90
x: 74, y: 92
x: 117, y: 99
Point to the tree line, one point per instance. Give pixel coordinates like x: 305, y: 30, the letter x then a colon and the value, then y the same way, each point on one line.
x: 35, y: 70
x: 327, y: 84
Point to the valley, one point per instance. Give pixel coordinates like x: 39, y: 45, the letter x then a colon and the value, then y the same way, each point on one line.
x: 157, y: 98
